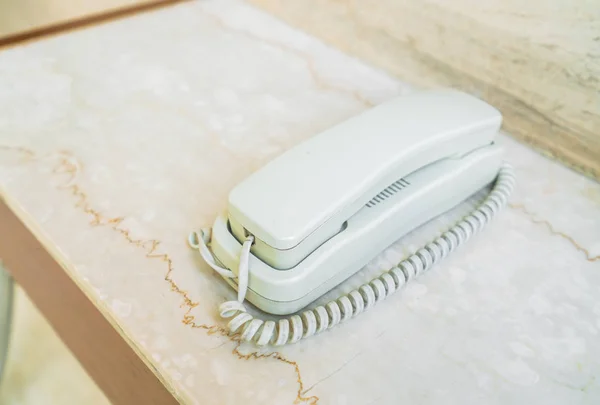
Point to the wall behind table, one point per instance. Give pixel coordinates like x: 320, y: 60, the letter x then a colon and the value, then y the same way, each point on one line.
x: 24, y: 19
x: 537, y: 61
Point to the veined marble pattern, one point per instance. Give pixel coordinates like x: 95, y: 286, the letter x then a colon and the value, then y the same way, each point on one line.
x: 537, y: 61
x: 120, y: 139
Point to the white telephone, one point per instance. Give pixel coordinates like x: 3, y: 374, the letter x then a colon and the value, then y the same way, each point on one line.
x: 319, y: 212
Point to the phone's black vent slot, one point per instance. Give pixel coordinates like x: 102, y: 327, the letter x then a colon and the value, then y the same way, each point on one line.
x: 388, y: 192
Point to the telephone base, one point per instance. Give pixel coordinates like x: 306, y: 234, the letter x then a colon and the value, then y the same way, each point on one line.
x: 433, y: 190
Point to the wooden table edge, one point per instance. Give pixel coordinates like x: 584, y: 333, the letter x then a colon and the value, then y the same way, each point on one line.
x: 82, y: 21
x: 123, y: 373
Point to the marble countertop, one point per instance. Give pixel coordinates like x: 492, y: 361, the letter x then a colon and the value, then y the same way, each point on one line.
x: 118, y: 140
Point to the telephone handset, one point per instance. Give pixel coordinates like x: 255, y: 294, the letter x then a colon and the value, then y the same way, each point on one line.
x: 319, y: 212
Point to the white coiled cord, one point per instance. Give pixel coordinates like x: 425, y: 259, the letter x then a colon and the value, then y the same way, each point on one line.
x: 316, y: 320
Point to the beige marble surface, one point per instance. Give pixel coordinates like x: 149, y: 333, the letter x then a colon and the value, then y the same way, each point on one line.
x: 41, y: 369
x: 538, y: 61
x: 117, y: 140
